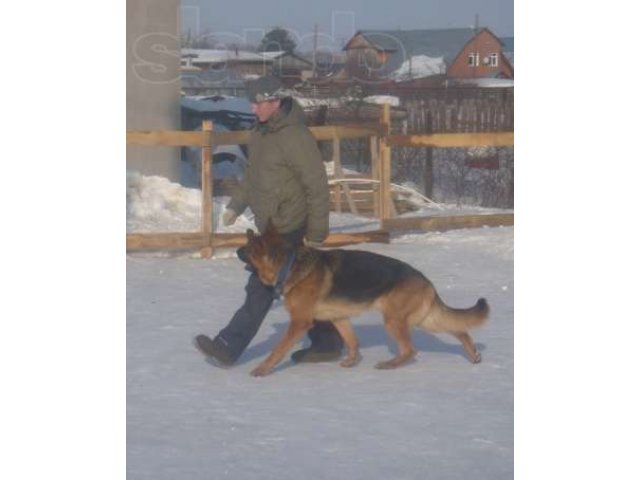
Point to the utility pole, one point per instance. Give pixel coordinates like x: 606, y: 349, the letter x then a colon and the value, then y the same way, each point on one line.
x: 315, y: 48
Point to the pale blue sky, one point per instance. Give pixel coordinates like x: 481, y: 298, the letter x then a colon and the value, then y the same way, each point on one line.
x: 338, y: 19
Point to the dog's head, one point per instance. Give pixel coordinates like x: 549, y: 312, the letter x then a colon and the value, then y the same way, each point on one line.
x: 267, y: 253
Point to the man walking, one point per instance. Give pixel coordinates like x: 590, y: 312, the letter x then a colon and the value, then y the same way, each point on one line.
x: 286, y: 183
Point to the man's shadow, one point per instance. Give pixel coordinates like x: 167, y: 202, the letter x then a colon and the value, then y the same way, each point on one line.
x: 368, y: 336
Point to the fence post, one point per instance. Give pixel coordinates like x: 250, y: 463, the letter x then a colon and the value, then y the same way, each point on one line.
x: 337, y: 173
x: 375, y: 174
x: 207, y: 192
x: 385, y: 164
x: 428, y: 167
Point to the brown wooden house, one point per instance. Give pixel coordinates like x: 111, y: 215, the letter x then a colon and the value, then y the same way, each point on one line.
x: 481, y: 57
x: 416, y: 55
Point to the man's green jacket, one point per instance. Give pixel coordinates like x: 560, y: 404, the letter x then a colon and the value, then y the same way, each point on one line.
x: 285, y: 178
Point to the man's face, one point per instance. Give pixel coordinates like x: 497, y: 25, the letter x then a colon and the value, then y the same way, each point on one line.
x: 264, y: 110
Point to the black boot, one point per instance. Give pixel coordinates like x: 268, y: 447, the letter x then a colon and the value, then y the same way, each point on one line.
x: 215, y: 349
x: 326, y: 344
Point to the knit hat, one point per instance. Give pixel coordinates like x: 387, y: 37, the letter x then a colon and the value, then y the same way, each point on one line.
x: 264, y: 89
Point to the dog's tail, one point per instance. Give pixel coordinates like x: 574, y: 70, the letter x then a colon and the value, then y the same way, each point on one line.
x: 442, y: 318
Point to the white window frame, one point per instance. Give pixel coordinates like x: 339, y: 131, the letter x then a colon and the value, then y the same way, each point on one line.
x: 493, y: 60
x: 473, y: 60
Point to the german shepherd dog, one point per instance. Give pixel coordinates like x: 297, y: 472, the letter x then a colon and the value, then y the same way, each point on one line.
x: 337, y: 284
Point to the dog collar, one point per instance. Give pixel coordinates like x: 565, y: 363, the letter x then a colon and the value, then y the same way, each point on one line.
x: 283, y: 274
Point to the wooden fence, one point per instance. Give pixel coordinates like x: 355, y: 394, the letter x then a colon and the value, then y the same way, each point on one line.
x: 381, y: 140
x: 459, y: 110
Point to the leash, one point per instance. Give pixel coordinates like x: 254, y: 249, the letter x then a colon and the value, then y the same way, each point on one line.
x: 283, y: 274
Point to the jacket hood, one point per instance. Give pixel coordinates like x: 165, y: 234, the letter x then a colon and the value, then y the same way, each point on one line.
x: 290, y: 113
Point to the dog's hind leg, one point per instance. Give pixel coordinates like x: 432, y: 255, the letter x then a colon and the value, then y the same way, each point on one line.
x: 343, y: 325
x: 469, y: 346
x: 400, y: 331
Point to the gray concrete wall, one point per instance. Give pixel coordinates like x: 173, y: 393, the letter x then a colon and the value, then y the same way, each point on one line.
x: 153, y: 82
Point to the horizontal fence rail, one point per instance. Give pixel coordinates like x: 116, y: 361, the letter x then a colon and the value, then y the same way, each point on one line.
x: 189, y: 241
x: 168, y: 138
x: 180, y: 138
x: 453, y: 140
x: 449, y: 222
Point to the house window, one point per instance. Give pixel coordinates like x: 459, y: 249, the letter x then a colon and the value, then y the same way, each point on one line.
x: 474, y: 59
x: 493, y: 60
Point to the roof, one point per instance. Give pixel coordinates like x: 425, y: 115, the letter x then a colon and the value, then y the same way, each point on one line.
x: 446, y: 43
x: 507, y: 44
x: 199, y: 55
x: 277, y: 54
x: 507, y: 48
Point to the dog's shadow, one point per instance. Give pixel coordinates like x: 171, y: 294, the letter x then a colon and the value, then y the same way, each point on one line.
x: 368, y: 336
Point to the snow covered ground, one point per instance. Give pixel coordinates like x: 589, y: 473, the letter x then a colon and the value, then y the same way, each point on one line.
x: 440, y: 417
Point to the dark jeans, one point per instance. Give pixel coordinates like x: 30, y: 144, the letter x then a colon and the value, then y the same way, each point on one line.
x: 244, y: 325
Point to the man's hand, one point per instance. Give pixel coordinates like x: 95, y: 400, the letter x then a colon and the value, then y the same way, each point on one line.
x: 229, y: 217
x: 311, y: 243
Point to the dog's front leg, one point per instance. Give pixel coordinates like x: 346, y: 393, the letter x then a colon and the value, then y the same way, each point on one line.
x: 297, y: 328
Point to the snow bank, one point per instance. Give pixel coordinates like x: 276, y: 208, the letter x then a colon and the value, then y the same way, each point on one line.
x: 488, y: 82
x: 382, y: 99
x: 306, y: 102
x: 154, y: 204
